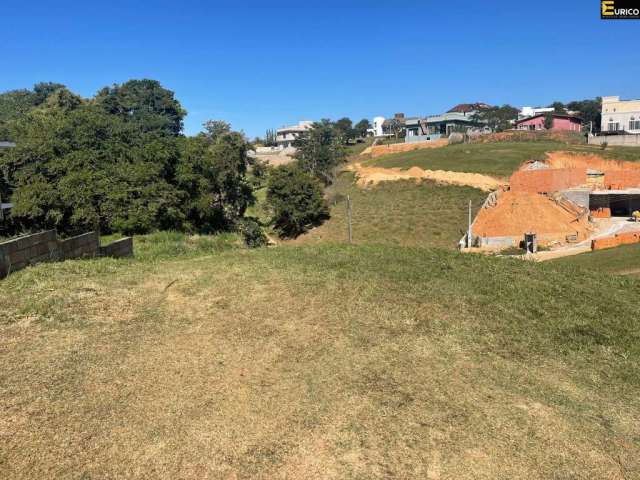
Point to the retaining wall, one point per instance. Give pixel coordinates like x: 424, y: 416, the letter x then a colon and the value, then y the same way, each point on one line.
x: 613, y: 241
x: 624, y: 140
x: 45, y: 246
x: 548, y: 180
x: 119, y: 248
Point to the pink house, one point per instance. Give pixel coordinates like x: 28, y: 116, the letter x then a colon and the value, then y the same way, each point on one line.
x: 560, y: 122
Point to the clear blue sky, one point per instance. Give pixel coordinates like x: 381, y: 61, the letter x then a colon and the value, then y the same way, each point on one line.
x: 263, y: 64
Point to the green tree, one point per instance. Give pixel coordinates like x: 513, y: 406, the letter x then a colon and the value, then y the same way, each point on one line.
x: 216, y: 128
x: 361, y: 128
x: 590, y: 110
x: 548, y: 120
x: 145, y: 103
x: 344, y: 129
x: 558, y: 107
x: 212, y: 174
x: 497, y: 118
x: 295, y: 199
x: 320, y: 151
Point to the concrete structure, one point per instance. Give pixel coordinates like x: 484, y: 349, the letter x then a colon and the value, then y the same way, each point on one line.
x: 285, y: 136
x: 527, y: 112
x: 560, y: 122
x: 624, y: 140
x: 45, y: 246
x: 620, y: 115
x: 7, y: 144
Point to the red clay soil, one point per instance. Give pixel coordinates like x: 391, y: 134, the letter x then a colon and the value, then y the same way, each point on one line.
x: 596, y: 162
x: 517, y: 213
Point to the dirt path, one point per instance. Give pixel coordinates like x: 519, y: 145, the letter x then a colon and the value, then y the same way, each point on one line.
x: 371, y: 176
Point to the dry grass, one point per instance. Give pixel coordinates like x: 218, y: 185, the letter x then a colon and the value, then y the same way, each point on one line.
x: 323, y: 362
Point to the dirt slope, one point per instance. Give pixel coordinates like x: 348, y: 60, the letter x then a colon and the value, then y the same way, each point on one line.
x: 370, y: 176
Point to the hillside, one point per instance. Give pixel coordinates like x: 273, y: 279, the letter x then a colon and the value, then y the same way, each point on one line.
x: 201, y: 360
x: 623, y: 260
x: 500, y: 158
x: 397, y: 213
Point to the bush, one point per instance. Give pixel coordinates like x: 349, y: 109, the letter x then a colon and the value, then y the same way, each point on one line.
x: 252, y: 233
x: 295, y: 199
x: 604, y: 145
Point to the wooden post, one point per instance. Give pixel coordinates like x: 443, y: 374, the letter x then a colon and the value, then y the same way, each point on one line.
x: 349, y: 229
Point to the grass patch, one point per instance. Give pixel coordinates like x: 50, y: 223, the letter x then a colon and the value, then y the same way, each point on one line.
x: 624, y: 259
x: 318, y: 362
x: 499, y: 159
x: 398, y: 213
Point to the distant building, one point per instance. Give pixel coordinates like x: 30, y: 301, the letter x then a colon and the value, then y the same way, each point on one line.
x: 560, y: 122
x: 285, y: 136
x: 620, y: 115
x: 527, y: 112
x: 377, y: 128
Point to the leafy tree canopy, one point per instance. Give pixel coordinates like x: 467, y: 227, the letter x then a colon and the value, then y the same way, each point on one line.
x: 320, y: 150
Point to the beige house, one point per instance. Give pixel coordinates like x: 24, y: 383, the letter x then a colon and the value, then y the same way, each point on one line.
x: 285, y: 136
x: 620, y: 115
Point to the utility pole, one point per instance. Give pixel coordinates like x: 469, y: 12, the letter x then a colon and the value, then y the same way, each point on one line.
x: 349, y: 228
x: 469, y: 233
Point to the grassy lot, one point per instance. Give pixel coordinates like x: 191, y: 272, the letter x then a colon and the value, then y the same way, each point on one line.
x: 317, y: 362
x: 398, y: 213
x: 500, y: 159
x: 623, y: 260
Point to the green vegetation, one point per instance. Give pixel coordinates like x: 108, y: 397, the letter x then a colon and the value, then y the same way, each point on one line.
x: 317, y: 362
x: 623, y: 260
x: 117, y: 163
x: 499, y: 158
x: 398, y: 213
x: 295, y: 199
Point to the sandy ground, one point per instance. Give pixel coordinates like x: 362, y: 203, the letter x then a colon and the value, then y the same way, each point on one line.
x: 275, y: 160
x: 380, y: 150
x: 518, y: 212
x: 573, y: 160
x: 371, y: 176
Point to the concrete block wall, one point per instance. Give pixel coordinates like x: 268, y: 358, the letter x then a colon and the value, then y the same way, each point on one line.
x: 623, y: 140
x: 119, y: 248
x: 86, y: 245
x: 548, y: 180
x: 20, y: 252
x: 44, y: 246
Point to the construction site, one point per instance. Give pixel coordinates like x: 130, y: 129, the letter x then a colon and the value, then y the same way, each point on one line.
x: 565, y: 204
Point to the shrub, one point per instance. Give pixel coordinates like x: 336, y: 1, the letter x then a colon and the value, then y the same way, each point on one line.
x: 252, y: 233
x: 604, y: 145
x: 295, y: 199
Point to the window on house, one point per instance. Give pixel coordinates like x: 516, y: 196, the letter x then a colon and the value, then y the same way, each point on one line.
x: 614, y: 126
x: 634, y: 124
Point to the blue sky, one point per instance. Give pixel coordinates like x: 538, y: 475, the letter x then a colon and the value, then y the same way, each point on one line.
x: 263, y: 64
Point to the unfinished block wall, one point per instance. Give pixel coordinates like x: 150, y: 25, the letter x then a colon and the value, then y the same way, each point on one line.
x: 45, y: 246
x: 549, y: 180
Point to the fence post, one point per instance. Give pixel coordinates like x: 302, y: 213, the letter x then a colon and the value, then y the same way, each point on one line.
x: 469, y: 233
x: 349, y: 228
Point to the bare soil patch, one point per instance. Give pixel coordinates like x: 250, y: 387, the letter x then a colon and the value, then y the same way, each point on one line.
x: 371, y: 176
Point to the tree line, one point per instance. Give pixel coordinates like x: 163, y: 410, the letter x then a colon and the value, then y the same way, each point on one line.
x: 118, y: 162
